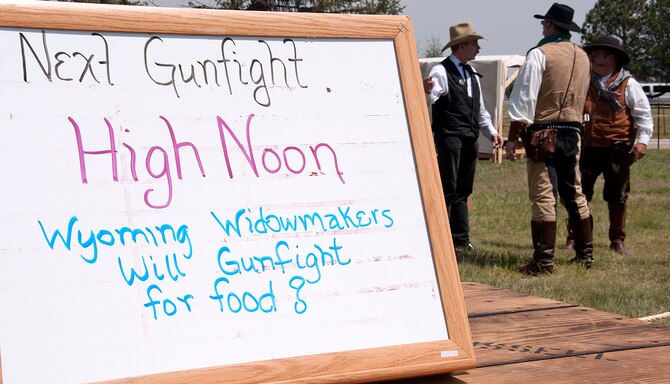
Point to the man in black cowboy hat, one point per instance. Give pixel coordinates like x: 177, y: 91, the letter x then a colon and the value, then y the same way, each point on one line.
x: 458, y: 117
x: 619, y: 113
x: 548, y: 96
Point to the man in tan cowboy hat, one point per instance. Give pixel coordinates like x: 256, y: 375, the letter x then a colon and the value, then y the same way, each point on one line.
x: 619, y: 113
x: 458, y: 117
x: 548, y: 97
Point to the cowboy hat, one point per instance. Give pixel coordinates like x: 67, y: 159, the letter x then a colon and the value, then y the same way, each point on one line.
x: 611, y: 44
x: 561, y: 15
x: 461, y: 33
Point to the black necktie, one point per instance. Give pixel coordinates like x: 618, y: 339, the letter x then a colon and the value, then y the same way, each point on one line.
x: 466, y: 69
x: 467, y: 72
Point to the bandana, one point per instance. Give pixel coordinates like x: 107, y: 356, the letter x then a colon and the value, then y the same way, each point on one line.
x: 608, y: 92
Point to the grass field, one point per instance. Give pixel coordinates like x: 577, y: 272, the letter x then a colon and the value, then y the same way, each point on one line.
x: 637, y: 285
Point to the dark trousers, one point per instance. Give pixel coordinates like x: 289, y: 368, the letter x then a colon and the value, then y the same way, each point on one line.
x: 457, y: 160
x: 612, y: 163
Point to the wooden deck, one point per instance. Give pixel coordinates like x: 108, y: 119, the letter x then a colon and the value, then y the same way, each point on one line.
x: 520, y: 338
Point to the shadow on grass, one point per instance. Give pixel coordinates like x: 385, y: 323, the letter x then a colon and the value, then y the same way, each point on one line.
x: 509, y: 256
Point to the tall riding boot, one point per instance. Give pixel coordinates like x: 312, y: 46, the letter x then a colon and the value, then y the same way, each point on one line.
x: 569, y: 240
x: 544, y: 242
x: 583, y: 233
x: 617, y: 231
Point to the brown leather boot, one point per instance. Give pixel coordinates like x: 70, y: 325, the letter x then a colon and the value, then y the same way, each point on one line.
x: 583, y: 233
x: 617, y: 231
x: 569, y: 240
x: 544, y: 242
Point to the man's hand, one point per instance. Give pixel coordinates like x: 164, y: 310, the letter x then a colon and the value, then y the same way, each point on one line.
x: 515, y: 130
x: 510, y: 150
x: 428, y: 84
x: 637, y: 152
x: 497, y: 141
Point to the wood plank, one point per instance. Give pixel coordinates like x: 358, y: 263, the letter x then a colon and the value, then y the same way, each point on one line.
x: 484, y: 300
x: 523, y: 338
x: 648, y: 365
x: 527, y: 336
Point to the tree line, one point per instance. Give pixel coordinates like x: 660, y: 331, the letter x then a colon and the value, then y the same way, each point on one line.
x: 644, y: 30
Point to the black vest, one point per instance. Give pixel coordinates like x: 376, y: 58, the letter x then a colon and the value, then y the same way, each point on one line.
x: 456, y: 113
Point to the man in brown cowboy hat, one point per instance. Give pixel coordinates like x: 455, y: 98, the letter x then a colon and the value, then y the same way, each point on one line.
x: 459, y: 116
x: 548, y: 97
x: 619, y: 113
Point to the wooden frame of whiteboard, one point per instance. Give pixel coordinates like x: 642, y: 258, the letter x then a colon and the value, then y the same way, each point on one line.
x: 395, y: 362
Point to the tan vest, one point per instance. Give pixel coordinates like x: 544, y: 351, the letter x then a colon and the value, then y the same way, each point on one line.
x: 605, y: 125
x: 564, y: 85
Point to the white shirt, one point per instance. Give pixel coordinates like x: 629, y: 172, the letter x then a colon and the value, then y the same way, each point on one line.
x: 522, y: 100
x: 638, y: 104
x: 441, y: 87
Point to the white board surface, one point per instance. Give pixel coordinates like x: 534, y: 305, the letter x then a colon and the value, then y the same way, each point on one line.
x: 296, y: 154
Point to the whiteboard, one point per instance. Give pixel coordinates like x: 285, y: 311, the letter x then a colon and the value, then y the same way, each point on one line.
x: 178, y: 202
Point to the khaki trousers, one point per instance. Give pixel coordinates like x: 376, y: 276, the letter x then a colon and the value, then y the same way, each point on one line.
x: 556, y: 177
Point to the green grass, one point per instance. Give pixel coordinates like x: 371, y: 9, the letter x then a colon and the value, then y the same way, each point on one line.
x: 636, y: 285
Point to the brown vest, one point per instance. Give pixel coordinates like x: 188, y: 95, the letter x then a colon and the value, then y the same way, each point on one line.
x: 605, y: 125
x: 565, y: 82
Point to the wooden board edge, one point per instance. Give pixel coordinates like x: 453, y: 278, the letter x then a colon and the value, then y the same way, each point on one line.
x: 137, y: 19
x: 431, y: 191
x: 386, y: 363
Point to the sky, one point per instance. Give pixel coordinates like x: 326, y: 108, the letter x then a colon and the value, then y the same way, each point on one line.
x: 508, y: 25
